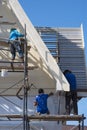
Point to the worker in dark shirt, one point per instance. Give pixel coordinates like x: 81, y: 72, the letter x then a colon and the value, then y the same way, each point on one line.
x: 72, y: 94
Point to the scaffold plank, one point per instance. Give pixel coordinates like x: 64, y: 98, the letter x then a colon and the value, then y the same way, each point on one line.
x: 48, y: 117
x: 58, y: 117
x: 6, y: 44
x: 18, y: 67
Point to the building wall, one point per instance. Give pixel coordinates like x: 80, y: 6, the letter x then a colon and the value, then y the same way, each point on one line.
x: 67, y: 47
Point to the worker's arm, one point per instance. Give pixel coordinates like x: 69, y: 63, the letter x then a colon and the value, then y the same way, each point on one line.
x: 35, y: 103
x: 50, y: 94
x: 19, y: 34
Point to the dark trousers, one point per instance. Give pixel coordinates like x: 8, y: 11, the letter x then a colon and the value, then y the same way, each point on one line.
x: 15, y: 46
x: 71, y: 96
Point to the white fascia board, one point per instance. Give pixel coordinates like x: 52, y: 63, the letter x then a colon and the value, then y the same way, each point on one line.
x: 35, y: 40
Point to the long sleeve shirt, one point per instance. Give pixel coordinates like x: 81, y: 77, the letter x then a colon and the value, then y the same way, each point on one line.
x: 15, y: 35
x: 72, y: 81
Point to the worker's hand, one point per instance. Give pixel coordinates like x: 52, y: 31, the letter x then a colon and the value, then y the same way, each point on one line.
x: 35, y: 103
x: 51, y: 93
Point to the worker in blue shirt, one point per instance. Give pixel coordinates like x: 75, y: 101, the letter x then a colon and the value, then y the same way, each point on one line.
x: 15, y: 44
x: 72, y: 94
x: 41, y: 102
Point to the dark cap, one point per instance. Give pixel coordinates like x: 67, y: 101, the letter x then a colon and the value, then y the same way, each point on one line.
x: 40, y: 90
x: 12, y: 29
x: 67, y: 71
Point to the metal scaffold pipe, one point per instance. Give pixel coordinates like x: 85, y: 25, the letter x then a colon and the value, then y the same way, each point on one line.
x: 25, y: 113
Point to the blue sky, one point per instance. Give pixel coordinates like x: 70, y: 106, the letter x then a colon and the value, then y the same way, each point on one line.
x: 59, y: 13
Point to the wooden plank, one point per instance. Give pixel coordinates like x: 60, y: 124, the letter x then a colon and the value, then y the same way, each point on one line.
x: 3, y: 43
x: 7, y: 23
x: 18, y: 67
x: 58, y: 117
x: 48, y: 117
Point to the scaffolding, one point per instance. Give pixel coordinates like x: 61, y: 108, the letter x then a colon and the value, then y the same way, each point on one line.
x: 58, y: 118
x: 25, y: 117
x: 25, y: 87
x: 14, y: 8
